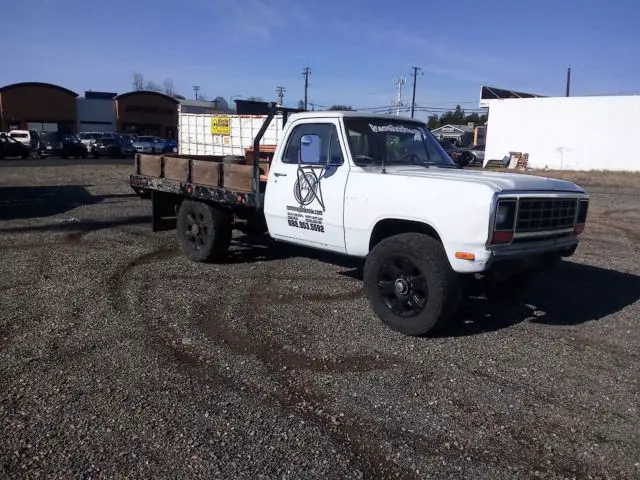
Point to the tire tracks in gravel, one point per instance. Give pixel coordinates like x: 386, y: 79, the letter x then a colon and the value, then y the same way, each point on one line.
x: 363, y: 441
x: 301, y: 401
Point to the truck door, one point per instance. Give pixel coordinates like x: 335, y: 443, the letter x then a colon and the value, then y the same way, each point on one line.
x: 304, y: 200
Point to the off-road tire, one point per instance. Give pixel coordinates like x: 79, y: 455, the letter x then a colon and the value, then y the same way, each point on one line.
x: 217, y: 225
x: 443, y: 284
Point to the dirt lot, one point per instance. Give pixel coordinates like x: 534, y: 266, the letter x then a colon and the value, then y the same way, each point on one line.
x: 120, y: 358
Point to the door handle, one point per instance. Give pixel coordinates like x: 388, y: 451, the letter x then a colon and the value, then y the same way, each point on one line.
x: 279, y: 174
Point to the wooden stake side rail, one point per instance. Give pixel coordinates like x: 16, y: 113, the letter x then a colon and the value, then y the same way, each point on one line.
x: 205, y: 178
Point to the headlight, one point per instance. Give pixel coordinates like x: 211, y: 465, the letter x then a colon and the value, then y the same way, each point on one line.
x: 582, y: 211
x: 505, y: 219
x: 505, y: 215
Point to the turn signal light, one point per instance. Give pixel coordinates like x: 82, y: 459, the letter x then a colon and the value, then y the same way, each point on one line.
x: 465, y: 256
x: 502, y: 237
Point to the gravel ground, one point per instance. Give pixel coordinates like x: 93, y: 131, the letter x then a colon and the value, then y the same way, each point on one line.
x: 119, y: 358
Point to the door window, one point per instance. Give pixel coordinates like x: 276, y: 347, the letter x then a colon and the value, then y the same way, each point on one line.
x: 314, y: 144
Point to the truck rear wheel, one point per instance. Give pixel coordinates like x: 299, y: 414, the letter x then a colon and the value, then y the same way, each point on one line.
x: 204, y: 231
x: 410, y: 284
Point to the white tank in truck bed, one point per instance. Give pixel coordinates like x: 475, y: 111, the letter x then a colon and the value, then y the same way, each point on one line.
x: 223, y: 134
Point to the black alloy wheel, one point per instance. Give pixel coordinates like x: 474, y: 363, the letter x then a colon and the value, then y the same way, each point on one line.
x: 204, y: 231
x: 196, y: 229
x: 410, y: 283
x: 402, y: 286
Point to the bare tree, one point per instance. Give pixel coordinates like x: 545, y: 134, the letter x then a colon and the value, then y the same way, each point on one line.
x: 168, y: 87
x: 152, y: 86
x: 138, y: 81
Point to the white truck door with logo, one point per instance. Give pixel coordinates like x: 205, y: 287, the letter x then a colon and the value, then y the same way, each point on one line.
x: 304, y: 200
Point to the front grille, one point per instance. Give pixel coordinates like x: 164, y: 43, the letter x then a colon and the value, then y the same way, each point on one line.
x: 545, y: 214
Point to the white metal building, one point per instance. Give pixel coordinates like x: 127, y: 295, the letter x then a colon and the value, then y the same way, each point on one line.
x: 97, y: 112
x: 565, y: 133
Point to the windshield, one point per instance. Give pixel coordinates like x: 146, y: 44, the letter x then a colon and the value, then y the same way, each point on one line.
x: 397, y: 142
x: 145, y: 139
x: 89, y: 136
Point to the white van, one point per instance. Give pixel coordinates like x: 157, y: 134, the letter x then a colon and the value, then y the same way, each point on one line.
x: 27, y: 137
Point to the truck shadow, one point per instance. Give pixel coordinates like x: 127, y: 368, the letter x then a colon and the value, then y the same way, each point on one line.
x: 246, y: 249
x: 45, y: 201
x: 571, y: 294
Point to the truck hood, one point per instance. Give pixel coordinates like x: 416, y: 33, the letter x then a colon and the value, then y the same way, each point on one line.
x: 498, y: 181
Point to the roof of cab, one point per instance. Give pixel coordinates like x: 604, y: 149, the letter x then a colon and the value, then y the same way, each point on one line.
x: 349, y: 114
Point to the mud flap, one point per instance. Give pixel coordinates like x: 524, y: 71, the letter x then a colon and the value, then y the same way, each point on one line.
x: 163, y: 207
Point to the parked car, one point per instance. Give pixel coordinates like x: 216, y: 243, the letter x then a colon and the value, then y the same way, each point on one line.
x: 10, y: 147
x: 63, y: 145
x: 473, y: 155
x: 112, y: 145
x: 170, y: 145
x: 27, y: 137
x: 454, y: 152
x: 149, y: 144
x: 89, y: 138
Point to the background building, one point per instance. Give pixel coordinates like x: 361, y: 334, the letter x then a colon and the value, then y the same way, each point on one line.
x: 97, y: 112
x: 459, y: 135
x: 203, y: 106
x: 565, y: 133
x: 147, y: 112
x: 37, y: 106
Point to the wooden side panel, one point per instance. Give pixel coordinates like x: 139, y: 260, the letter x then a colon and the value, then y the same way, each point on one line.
x: 150, y: 165
x: 176, y: 168
x: 205, y: 173
x: 211, y: 158
x: 266, y: 156
x: 237, y: 177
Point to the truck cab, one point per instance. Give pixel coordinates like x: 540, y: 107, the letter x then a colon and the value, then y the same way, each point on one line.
x: 340, y: 180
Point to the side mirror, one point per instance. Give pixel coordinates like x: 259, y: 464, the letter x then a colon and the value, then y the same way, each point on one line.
x: 310, y: 149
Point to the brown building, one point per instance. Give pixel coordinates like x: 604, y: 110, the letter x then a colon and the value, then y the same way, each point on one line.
x: 152, y: 113
x: 37, y: 106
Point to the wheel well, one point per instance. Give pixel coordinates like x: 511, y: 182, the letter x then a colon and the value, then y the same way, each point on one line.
x: 389, y: 227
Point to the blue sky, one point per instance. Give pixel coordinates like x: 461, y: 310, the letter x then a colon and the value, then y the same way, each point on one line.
x: 354, y: 48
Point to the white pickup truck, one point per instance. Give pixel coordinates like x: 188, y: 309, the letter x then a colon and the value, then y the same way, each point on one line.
x: 380, y: 188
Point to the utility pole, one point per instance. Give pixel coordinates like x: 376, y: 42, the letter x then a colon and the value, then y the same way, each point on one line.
x: 568, y: 80
x: 195, y: 89
x: 399, y: 82
x: 280, y: 91
x: 413, y: 94
x: 305, y: 73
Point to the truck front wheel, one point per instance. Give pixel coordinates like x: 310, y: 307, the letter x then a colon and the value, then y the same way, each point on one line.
x: 204, y: 231
x: 410, y: 283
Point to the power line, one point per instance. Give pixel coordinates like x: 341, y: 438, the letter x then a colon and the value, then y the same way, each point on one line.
x: 305, y: 73
x: 280, y: 91
x: 413, y: 94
